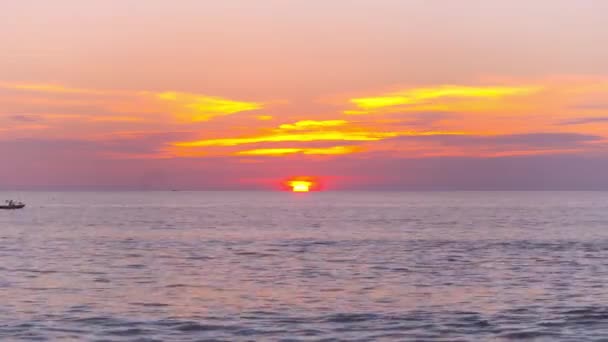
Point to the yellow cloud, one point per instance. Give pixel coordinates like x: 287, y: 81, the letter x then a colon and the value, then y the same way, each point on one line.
x: 264, y: 117
x: 418, y: 96
x: 197, y: 107
x: 169, y: 96
x: 308, y: 131
x: 311, y: 124
x: 334, y: 150
x: 308, y: 137
x: 280, y: 137
x: 269, y: 152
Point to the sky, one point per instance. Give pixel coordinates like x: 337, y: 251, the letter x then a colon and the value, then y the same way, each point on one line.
x: 359, y: 94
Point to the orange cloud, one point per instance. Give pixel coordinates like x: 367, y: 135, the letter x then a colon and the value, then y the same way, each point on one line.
x: 303, y: 131
x: 518, y: 107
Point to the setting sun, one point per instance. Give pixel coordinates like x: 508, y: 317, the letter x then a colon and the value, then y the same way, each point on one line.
x: 300, y: 186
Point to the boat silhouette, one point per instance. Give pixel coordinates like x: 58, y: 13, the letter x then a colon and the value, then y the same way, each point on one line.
x: 12, y: 205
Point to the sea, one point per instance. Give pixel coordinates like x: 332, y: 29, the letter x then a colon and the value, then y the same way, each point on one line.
x: 319, y: 266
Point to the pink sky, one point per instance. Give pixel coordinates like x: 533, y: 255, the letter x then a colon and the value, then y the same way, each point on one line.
x: 365, y: 94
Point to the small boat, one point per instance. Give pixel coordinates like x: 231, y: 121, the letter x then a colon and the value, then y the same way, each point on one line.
x: 12, y: 205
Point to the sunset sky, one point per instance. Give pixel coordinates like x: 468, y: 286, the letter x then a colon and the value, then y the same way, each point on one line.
x: 363, y: 94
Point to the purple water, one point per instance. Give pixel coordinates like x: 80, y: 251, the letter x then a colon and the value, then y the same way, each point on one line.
x: 357, y: 266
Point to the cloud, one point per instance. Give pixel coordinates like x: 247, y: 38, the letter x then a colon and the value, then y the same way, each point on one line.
x: 42, y: 165
x: 419, y: 96
x: 312, y: 124
x: 309, y: 131
x: 56, y: 106
x: 528, y: 139
x: 581, y: 121
x: 54, y: 88
x: 334, y: 150
x: 301, y: 137
x: 198, y: 107
x: 26, y: 128
x: 539, y: 172
x: 409, y: 122
x: 24, y: 118
x: 506, y: 144
x: 592, y: 106
x: 427, y: 119
x: 136, y: 143
x: 119, y: 145
x: 185, y: 107
x: 116, y: 119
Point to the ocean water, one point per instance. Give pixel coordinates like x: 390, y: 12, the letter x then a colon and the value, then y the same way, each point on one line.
x: 351, y: 266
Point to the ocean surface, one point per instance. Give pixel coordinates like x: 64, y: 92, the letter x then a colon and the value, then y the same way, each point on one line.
x: 270, y: 266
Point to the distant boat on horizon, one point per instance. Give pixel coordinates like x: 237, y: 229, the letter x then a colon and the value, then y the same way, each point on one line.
x: 12, y: 205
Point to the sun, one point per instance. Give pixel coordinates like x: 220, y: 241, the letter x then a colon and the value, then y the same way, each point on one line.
x: 300, y: 186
